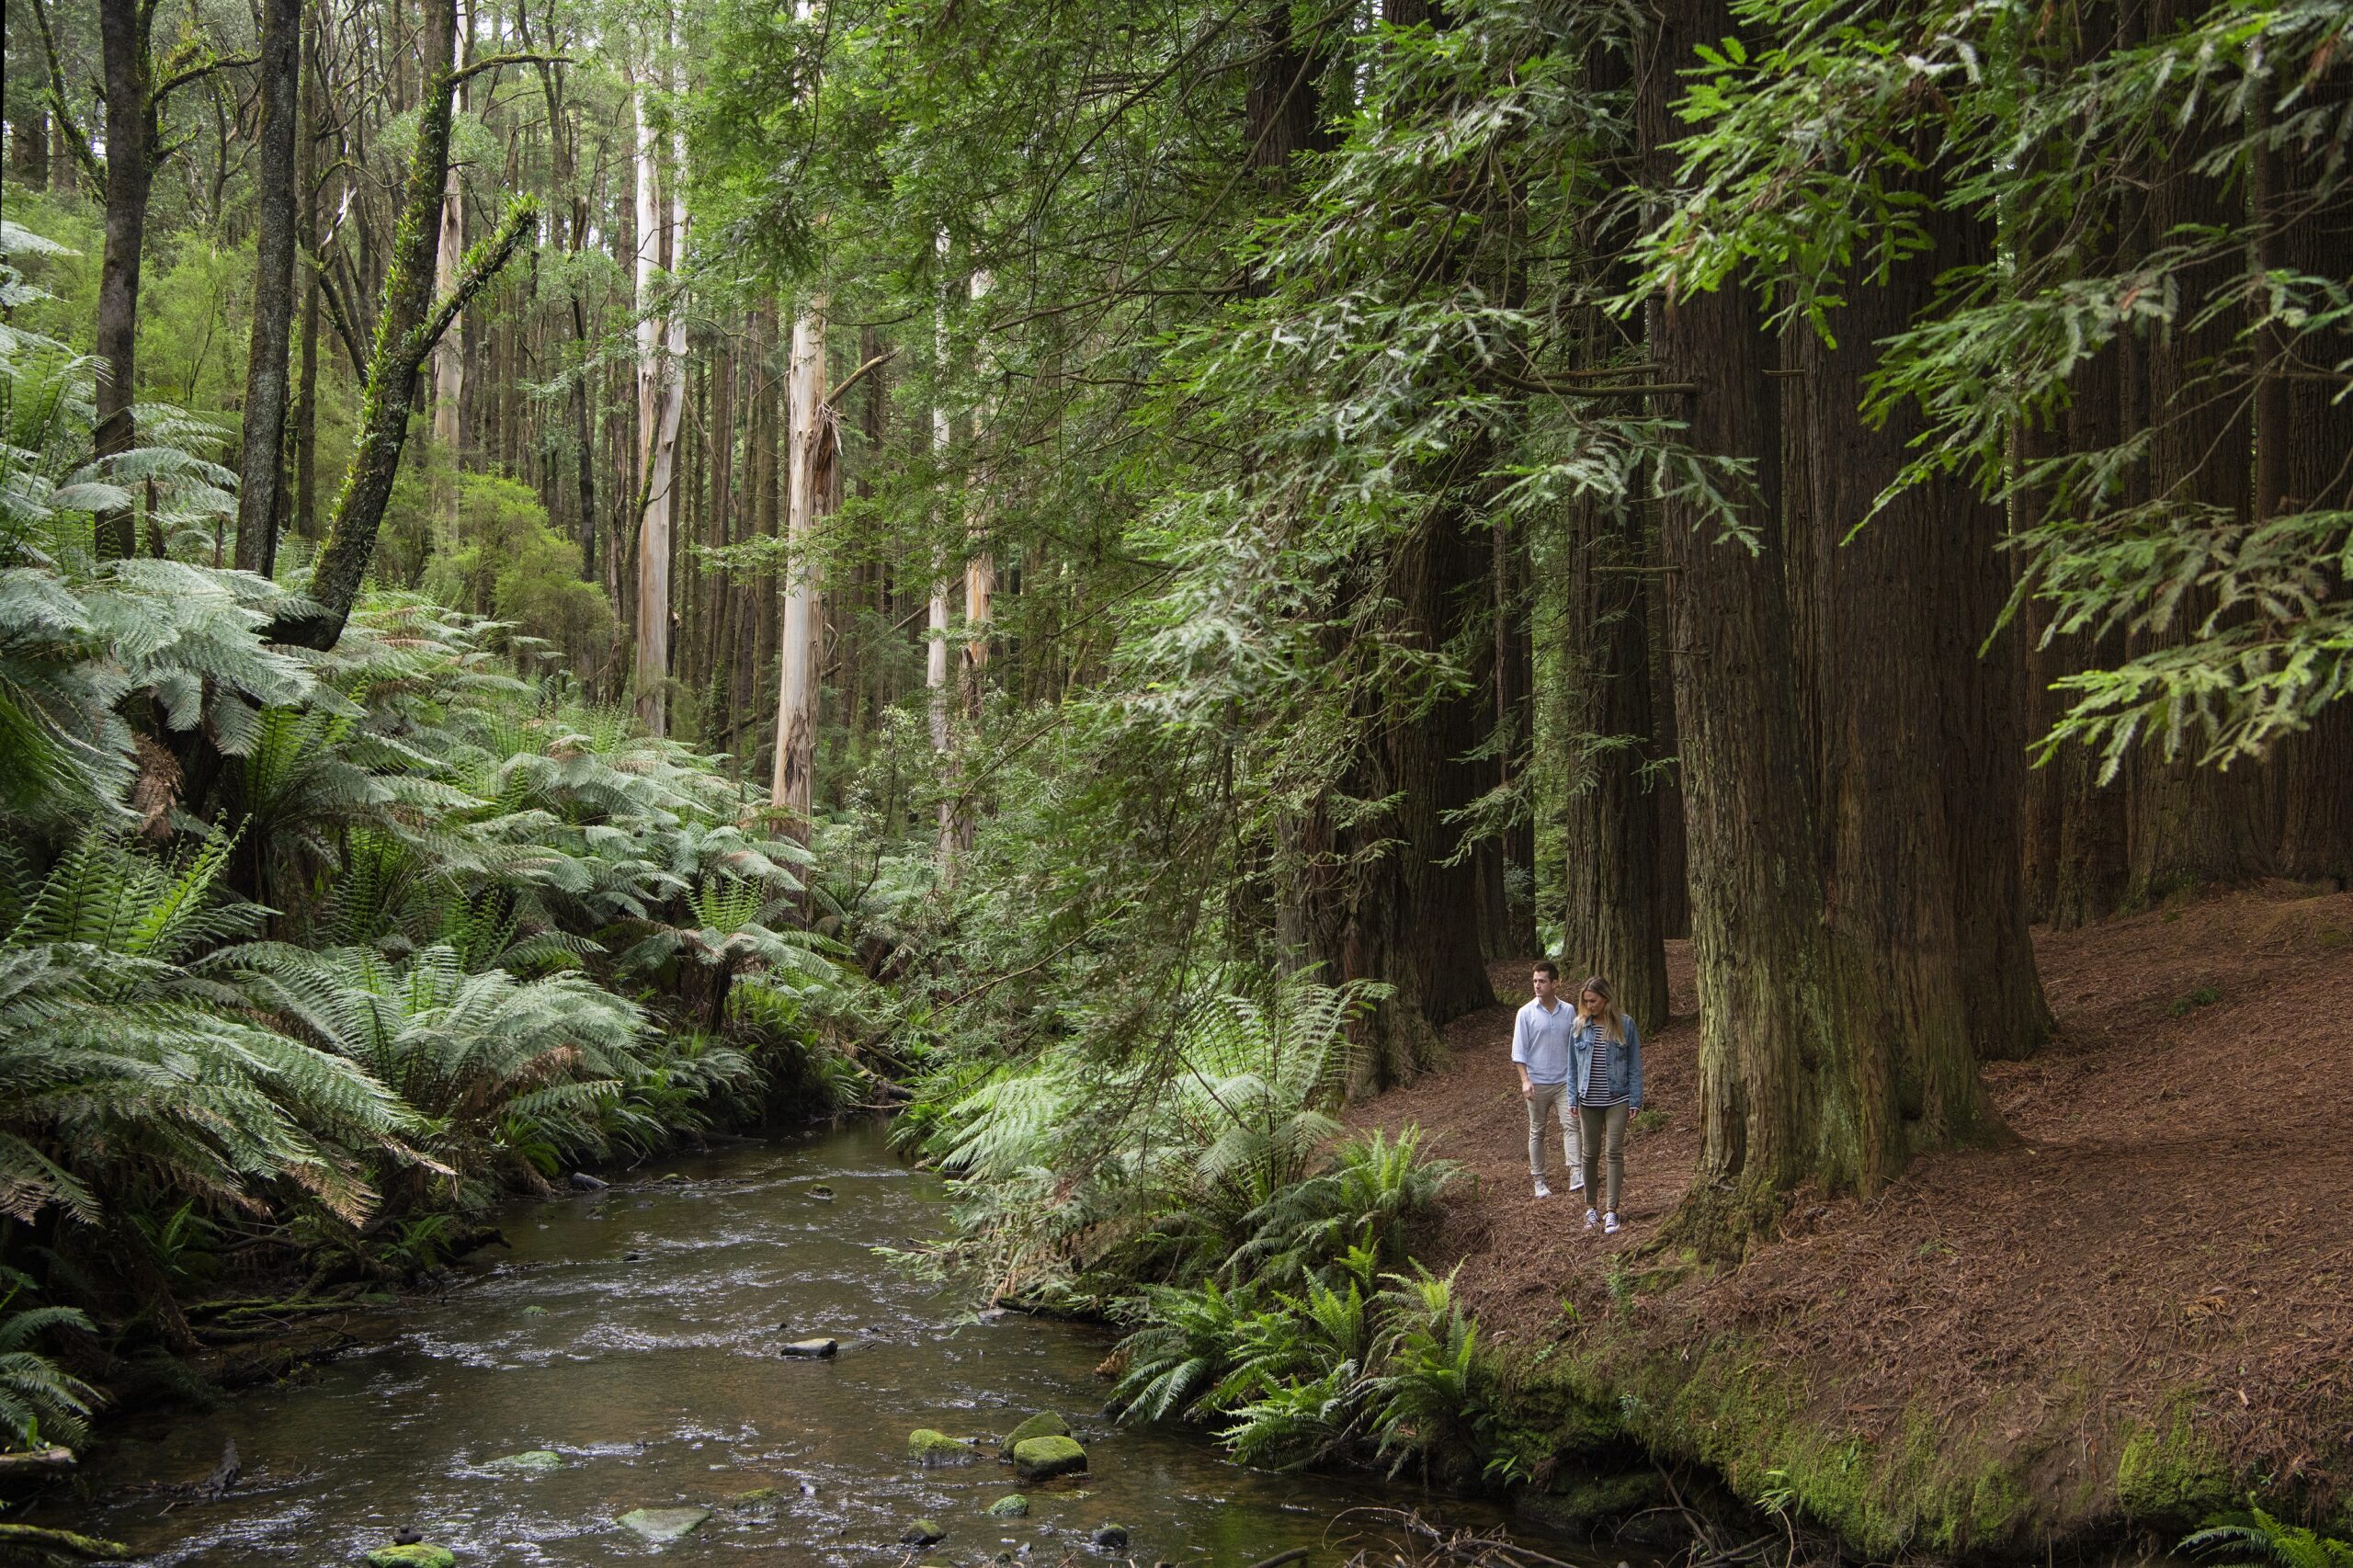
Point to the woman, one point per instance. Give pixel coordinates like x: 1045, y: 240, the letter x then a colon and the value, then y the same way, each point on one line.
x: 1606, y: 1082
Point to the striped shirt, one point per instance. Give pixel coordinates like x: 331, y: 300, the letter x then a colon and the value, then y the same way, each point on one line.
x: 1595, y: 1090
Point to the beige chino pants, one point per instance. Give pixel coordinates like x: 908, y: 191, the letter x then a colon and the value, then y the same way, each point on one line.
x: 1550, y: 1102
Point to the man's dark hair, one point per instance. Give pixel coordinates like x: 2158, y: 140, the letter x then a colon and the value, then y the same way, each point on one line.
x: 1547, y: 967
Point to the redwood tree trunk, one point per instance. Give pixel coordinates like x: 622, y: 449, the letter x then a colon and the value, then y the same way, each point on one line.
x: 1612, y: 925
x: 1777, y: 1097
x: 1930, y: 938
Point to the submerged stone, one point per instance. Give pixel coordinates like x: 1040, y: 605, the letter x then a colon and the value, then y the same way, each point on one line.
x: 810, y: 1350
x: 1011, y: 1507
x: 756, y: 1495
x: 931, y: 1447
x: 923, y: 1533
x: 412, y: 1554
x: 1110, y: 1536
x: 530, y: 1458
x: 664, y: 1524
x: 1045, y: 1424
x: 1039, y: 1459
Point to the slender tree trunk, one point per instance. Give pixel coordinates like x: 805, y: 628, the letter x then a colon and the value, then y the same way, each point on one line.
x: 719, y: 588
x: 762, y: 436
x: 1612, y: 926
x: 306, y: 427
x: 810, y: 439
x: 277, y: 217
x: 662, y: 349
x: 131, y: 132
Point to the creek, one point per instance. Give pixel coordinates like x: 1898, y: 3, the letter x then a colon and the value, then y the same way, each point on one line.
x: 630, y: 1339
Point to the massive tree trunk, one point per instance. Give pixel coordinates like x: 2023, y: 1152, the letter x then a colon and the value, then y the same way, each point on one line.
x: 1907, y: 720
x: 809, y: 443
x: 279, y: 204
x: 409, y: 324
x: 132, y: 133
x: 1778, y: 1096
x: 1612, y: 925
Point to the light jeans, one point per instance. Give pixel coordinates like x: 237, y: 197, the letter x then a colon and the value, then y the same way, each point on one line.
x: 1550, y: 1102
x: 1605, y: 1132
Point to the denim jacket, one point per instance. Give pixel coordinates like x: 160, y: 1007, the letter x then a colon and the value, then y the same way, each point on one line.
x: 1625, y: 1065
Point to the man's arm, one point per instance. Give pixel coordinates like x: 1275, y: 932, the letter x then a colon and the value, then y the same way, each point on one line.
x: 1519, y: 1051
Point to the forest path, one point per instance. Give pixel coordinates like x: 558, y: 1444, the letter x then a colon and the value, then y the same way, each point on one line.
x: 2175, y: 1225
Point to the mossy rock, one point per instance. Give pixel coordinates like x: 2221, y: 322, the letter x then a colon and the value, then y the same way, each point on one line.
x: 416, y: 1554
x: 664, y: 1524
x: 1012, y: 1505
x: 756, y: 1495
x: 1040, y: 1458
x: 923, y: 1533
x: 530, y: 1458
x: 2172, y: 1478
x: 925, y: 1446
x: 1045, y: 1424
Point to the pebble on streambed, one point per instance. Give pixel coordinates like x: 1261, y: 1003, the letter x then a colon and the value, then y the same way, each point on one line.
x: 664, y: 1524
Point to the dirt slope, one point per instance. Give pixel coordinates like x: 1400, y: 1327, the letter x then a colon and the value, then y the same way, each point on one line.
x: 2157, y: 1275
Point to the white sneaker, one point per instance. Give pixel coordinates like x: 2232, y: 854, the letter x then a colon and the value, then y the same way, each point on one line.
x: 1542, y: 1190
x: 1591, y: 1218
x: 1576, y: 1182
x: 1609, y: 1225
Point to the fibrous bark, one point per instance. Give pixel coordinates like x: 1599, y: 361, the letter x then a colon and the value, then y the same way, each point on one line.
x: 1612, y: 925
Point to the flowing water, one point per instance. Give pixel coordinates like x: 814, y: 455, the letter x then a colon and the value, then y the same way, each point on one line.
x: 633, y: 1334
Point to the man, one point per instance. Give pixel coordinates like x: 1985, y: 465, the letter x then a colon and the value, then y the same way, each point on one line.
x: 1540, y: 1051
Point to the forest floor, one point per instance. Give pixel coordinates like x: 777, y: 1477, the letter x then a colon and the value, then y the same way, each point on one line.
x: 2144, y: 1303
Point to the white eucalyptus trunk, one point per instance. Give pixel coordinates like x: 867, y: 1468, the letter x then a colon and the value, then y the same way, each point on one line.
x: 810, y: 437
x: 661, y: 401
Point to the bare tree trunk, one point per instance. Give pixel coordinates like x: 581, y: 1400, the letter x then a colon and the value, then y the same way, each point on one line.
x: 279, y: 201
x: 131, y: 134
x: 662, y: 349
x: 306, y: 428
x: 810, y: 439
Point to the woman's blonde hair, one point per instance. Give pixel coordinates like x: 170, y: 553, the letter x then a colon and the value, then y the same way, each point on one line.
x: 1609, y: 1024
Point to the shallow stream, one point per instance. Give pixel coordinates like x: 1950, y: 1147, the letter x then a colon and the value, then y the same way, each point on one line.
x: 633, y: 1334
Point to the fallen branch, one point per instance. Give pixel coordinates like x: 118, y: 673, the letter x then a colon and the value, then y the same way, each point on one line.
x: 57, y: 1457
x: 35, y: 1539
